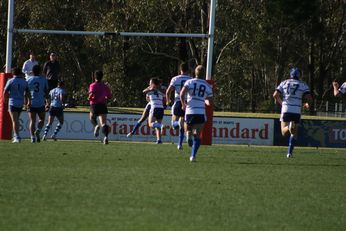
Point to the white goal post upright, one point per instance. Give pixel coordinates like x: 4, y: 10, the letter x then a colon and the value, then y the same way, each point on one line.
x: 206, y: 137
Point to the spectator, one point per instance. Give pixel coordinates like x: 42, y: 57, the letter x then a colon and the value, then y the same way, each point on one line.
x: 28, y: 64
x: 51, y: 70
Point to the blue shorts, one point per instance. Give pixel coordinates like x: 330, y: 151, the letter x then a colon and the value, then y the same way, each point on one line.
x: 158, y: 113
x: 56, y: 111
x: 288, y: 117
x: 177, y: 110
x: 37, y: 109
x: 194, y: 119
x: 14, y: 109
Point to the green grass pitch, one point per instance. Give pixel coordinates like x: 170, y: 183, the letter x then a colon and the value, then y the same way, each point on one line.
x: 84, y: 185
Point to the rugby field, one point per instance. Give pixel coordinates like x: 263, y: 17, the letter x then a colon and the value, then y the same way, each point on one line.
x: 84, y: 185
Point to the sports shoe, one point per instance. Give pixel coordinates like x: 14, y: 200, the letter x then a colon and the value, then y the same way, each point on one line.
x: 33, y: 140
x: 289, y: 155
x: 105, y: 140
x: 96, y: 130
x: 16, y: 140
x: 44, y: 138
x: 38, y: 138
x: 292, y: 127
x: 180, y: 147
x: 54, y: 137
x: 159, y: 142
x: 192, y: 159
x: 129, y: 135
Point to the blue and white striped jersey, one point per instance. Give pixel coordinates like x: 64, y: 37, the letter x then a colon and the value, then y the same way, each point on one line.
x: 55, y: 97
x: 16, y: 88
x: 198, y: 91
x: 178, y: 82
x: 292, y: 92
x: 38, y: 87
x: 342, y: 89
x: 155, y: 99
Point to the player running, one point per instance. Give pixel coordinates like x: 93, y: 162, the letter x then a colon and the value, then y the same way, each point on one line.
x: 178, y: 113
x: 38, y: 87
x: 146, y: 111
x: 155, y: 97
x: 99, y: 93
x: 290, y: 94
x: 16, y: 91
x: 194, y: 95
x: 56, y: 109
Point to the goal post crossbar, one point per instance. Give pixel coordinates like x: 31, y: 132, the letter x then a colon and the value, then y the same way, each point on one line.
x: 99, y: 33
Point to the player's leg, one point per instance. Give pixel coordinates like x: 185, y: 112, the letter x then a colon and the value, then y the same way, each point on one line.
x: 293, y: 129
x: 104, y: 127
x: 284, y: 128
x: 41, y: 116
x: 60, y: 117
x: 48, y: 125
x: 158, y: 132
x: 145, y: 115
x: 32, y: 125
x: 197, y: 128
x: 181, y: 132
x: 93, y: 120
x: 188, y: 129
x: 175, y: 114
x: 14, y: 115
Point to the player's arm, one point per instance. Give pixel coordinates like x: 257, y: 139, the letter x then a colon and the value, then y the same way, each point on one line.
x: 183, y: 93
x: 336, y: 87
x: 209, y: 101
x: 90, y: 96
x: 307, y: 100
x: 277, y: 97
x: 146, y: 90
x: 169, y: 91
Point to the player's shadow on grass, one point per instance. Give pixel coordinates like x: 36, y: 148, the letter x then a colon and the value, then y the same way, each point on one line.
x: 293, y: 164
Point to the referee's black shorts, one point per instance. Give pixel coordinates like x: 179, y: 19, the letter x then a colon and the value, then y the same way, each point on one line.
x: 98, y: 109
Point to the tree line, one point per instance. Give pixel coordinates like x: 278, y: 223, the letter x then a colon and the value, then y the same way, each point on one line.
x: 256, y: 43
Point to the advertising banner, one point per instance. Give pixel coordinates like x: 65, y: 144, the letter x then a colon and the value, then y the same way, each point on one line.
x: 225, y: 130
x: 316, y: 133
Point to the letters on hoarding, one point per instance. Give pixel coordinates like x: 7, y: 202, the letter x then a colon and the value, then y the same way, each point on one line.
x: 225, y: 130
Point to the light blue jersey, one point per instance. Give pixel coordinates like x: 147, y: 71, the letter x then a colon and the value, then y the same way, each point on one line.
x: 16, y: 88
x: 55, y: 96
x: 342, y: 89
x: 38, y: 87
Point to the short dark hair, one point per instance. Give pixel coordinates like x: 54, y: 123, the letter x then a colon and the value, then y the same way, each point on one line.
x: 98, y: 75
x: 17, y: 71
x: 36, y: 70
x: 155, y: 81
x: 184, y: 67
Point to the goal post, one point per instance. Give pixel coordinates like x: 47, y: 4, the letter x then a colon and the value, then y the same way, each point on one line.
x: 207, y: 132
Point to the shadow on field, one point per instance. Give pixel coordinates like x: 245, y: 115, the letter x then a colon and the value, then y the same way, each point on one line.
x: 293, y: 164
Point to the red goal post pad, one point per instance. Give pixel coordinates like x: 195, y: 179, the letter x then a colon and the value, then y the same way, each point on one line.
x: 5, y: 120
x: 206, y: 135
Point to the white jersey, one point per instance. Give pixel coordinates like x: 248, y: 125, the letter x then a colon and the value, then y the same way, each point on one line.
x: 155, y: 99
x: 178, y: 82
x: 292, y: 92
x: 27, y: 67
x: 342, y: 89
x: 198, y: 91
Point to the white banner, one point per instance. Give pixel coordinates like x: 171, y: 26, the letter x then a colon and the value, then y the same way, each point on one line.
x: 225, y: 130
